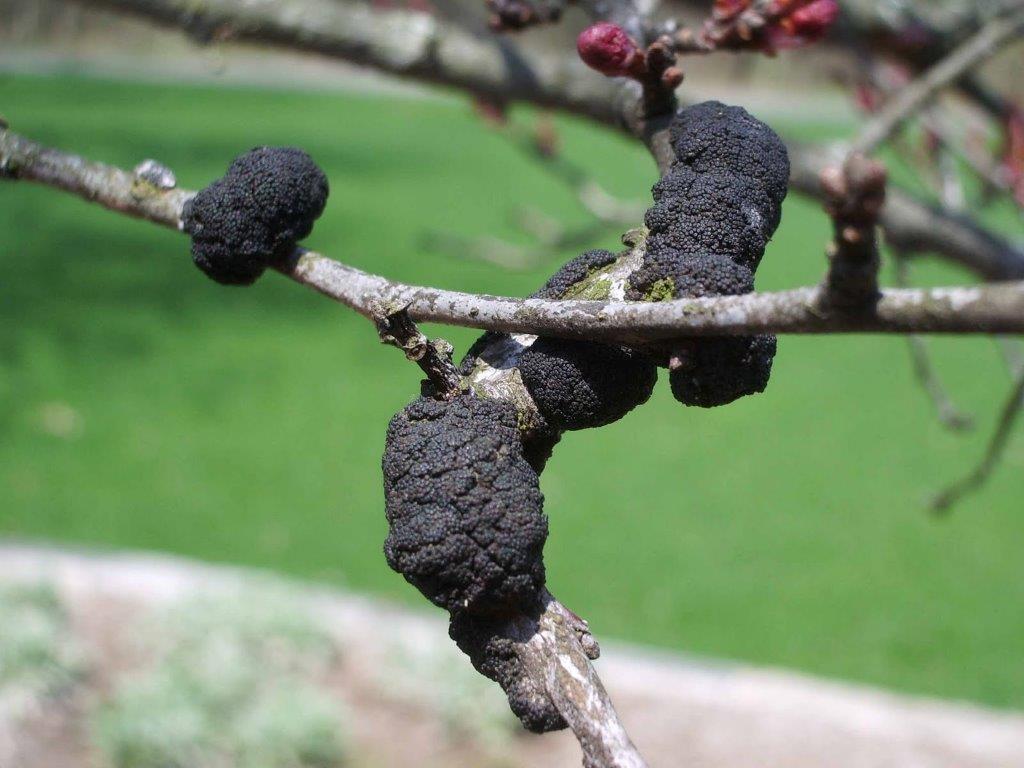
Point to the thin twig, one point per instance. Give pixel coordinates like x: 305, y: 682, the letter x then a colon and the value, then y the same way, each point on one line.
x: 411, y: 44
x: 1012, y: 351
x: 951, y: 417
x: 855, y: 192
x: 996, y: 447
x: 948, y: 414
x: 396, y: 328
x: 982, y: 46
x: 988, y: 309
x: 609, y: 213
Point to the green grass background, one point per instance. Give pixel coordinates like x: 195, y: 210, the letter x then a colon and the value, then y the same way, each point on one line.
x: 247, y: 425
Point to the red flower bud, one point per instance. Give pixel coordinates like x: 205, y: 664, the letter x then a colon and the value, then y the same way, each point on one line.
x: 810, y: 22
x: 608, y: 49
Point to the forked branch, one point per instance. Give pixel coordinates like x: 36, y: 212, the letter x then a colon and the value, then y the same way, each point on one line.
x: 983, y: 45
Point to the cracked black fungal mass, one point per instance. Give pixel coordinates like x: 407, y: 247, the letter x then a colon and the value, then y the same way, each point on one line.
x: 253, y: 216
x: 713, y: 214
x: 576, y: 384
x: 465, y: 512
x: 467, y: 525
x: 491, y: 648
x: 584, y: 384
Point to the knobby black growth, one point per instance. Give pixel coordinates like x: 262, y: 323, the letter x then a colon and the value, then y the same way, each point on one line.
x: 713, y: 214
x: 491, y: 650
x: 575, y: 384
x: 253, y: 216
x: 573, y: 272
x: 584, y: 384
x: 467, y: 525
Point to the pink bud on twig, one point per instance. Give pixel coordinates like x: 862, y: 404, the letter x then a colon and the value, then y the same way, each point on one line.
x: 807, y: 23
x: 608, y: 49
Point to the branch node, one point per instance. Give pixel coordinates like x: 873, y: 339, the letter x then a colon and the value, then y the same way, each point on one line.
x: 855, y: 195
x: 156, y: 173
x: 943, y: 502
x: 397, y: 329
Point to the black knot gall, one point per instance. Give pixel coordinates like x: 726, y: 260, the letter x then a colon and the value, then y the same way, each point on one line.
x: 723, y: 369
x: 713, y: 214
x: 255, y: 214
x: 584, y: 384
x: 712, y: 137
x: 464, y: 507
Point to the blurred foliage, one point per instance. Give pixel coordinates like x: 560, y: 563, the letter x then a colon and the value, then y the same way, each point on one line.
x: 231, y: 685
x: 37, y: 656
x: 438, y: 678
x: 143, y: 406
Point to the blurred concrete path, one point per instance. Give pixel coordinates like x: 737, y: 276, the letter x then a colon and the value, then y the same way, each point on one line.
x: 680, y: 711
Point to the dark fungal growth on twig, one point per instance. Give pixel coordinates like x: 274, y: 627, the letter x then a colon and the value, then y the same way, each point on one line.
x: 714, y: 137
x: 584, y: 384
x: 467, y: 526
x: 465, y: 514
x: 561, y: 284
x: 461, y: 477
x: 718, y: 371
x: 574, y: 384
x: 490, y: 645
x: 253, y: 216
x: 713, y: 214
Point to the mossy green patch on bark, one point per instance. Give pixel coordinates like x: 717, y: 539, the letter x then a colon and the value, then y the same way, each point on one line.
x: 596, y: 286
x: 662, y: 290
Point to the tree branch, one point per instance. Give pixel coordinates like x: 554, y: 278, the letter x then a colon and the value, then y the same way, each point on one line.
x: 425, y: 48
x: 434, y: 358
x: 946, y: 410
x: 553, y: 649
x: 410, y: 44
x: 855, y: 192
x: 988, y: 309
x: 559, y: 648
x: 997, y: 445
x: 982, y: 46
